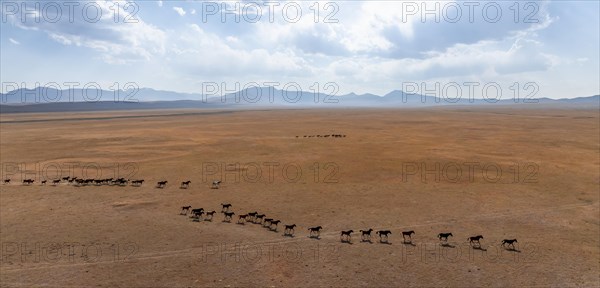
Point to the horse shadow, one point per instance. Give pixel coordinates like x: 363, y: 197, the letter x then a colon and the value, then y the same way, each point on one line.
x: 366, y: 241
x: 447, y: 245
x: 288, y: 235
x: 317, y: 237
x: 409, y: 242
x: 513, y: 250
x: 385, y: 242
x: 479, y: 248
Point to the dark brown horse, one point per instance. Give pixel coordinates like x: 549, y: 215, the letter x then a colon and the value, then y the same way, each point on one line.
x: 475, y: 240
x: 185, y: 184
x: 273, y: 225
x: 510, y: 242
x: 185, y: 210
x: 242, y: 218
x: 289, y: 230
x: 346, y: 236
x: 209, y: 215
x: 315, y: 231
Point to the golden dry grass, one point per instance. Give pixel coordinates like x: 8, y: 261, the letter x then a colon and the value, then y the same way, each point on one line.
x: 551, y: 207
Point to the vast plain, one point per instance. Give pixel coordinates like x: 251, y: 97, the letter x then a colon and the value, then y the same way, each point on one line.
x: 502, y: 172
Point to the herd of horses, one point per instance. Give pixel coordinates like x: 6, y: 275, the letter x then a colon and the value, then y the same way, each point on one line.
x: 108, y: 181
x: 271, y: 224
x: 257, y: 218
x: 323, y: 136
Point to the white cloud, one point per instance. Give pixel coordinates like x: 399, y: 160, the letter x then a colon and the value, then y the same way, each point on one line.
x: 484, y: 58
x: 13, y: 41
x: 196, y: 44
x: 366, y: 51
x: 179, y: 10
x: 160, y: 3
x: 198, y: 52
x: 342, y: 28
x: 116, y: 41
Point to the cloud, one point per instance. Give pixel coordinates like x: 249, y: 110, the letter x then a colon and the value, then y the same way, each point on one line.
x: 369, y: 48
x: 351, y: 54
x: 179, y: 10
x: 13, y: 41
x: 375, y: 29
x: 484, y: 58
x: 119, y: 36
x: 160, y: 3
x: 201, y: 54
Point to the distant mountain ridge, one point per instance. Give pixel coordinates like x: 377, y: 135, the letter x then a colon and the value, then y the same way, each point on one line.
x: 48, y: 99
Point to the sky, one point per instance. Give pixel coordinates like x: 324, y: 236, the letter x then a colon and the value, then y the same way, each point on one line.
x: 530, y: 49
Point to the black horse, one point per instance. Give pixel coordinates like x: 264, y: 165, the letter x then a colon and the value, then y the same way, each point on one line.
x: 196, y: 211
x: 407, y: 233
x: 384, y: 235
x: 444, y: 236
x: 289, y: 230
x: 510, y: 242
x: 137, y: 182
x: 315, y: 231
x: 258, y: 218
x: 267, y: 222
x: 273, y: 226
x: 228, y: 216
x: 226, y: 207
x: 346, y: 236
x: 366, y: 235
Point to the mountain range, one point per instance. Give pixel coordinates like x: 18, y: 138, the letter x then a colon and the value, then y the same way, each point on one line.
x: 47, y: 99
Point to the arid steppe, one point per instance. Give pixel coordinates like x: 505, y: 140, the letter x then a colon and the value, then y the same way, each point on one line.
x: 504, y: 173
